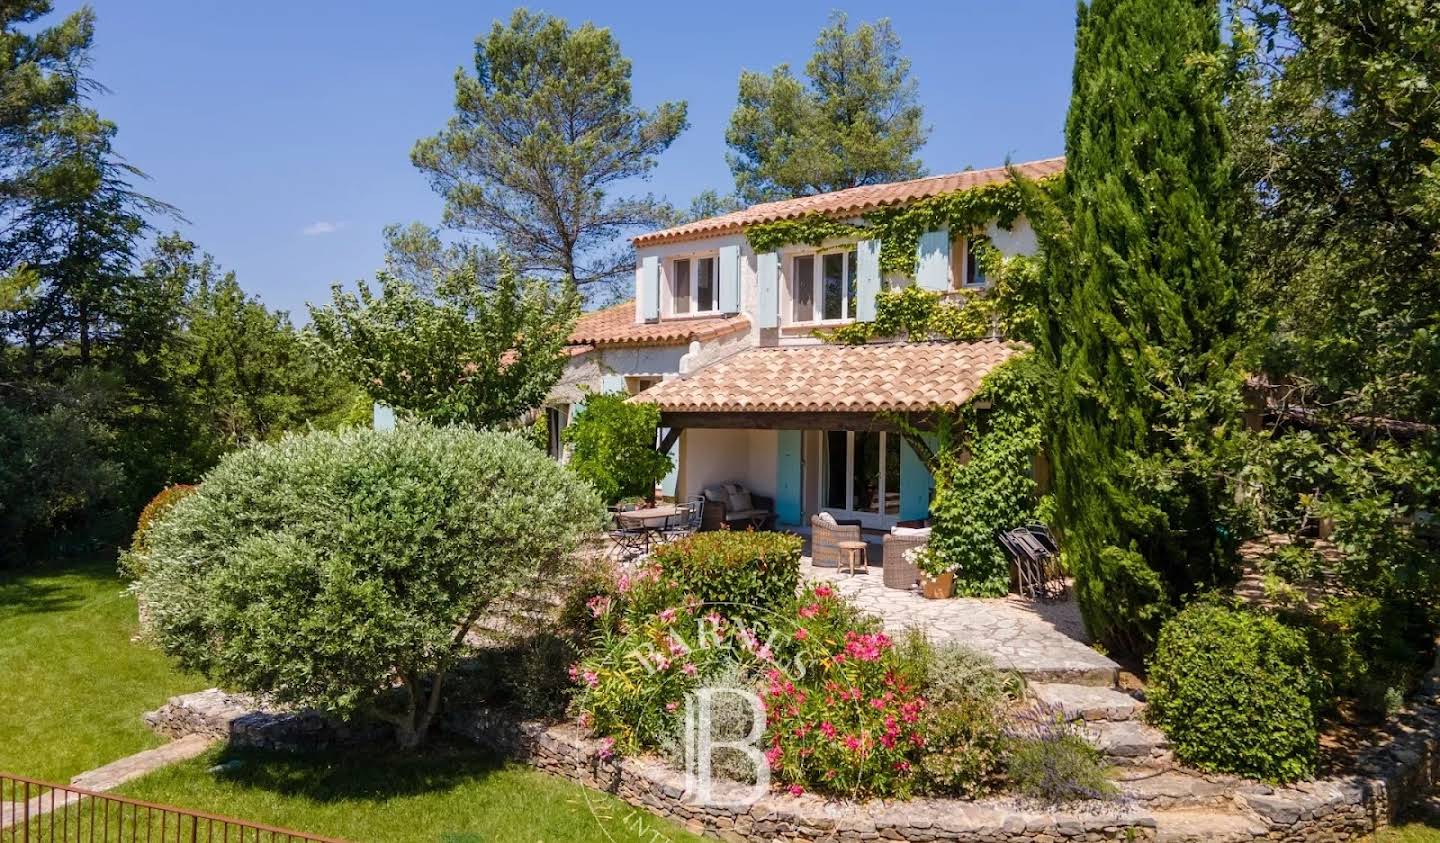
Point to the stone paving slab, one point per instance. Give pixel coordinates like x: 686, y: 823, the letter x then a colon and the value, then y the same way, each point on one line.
x: 1045, y: 642
x: 1086, y: 702
x: 15, y: 813
x: 116, y: 773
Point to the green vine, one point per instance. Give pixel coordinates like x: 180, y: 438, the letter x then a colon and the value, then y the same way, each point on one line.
x: 1008, y: 308
x: 899, y: 227
x: 983, y: 466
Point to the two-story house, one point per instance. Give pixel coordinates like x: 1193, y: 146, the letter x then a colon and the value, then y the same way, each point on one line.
x: 722, y: 339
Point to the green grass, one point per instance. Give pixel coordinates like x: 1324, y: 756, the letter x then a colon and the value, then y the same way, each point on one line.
x: 1415, y: 832
x: 74, y: 686
x: 445, y: 795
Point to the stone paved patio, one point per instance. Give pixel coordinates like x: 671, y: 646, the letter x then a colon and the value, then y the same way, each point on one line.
x: 1045, y: 642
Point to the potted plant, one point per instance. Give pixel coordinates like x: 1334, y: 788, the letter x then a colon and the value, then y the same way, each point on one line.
x: 937, y: 577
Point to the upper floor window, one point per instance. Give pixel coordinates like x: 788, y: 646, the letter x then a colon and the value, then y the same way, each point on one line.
x: 965, y: 270
x: 822, y: 286
x: 693, y: 286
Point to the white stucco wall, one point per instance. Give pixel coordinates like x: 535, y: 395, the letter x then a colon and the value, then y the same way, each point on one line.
x: 1018, y: 240
x: 711, y: 457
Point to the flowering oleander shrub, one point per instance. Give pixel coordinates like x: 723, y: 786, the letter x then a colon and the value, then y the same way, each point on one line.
x: 851, y: 724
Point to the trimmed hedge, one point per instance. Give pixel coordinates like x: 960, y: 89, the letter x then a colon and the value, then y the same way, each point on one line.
x: 752, y: 574
x: 1235, y: 692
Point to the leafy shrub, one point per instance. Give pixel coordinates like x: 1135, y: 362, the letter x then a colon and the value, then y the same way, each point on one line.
x: 966, y: 697
x: 1049, y: 759
x: 612, y: 445
x: 851, y: 724
x: 132, y: 562
x: 1368, y: 649
x: 746, y: 575
x: 57, y: 471
x: 329, y: 568
x: 731, y: 719
x: 1235, y: 693
x: 652, y: 647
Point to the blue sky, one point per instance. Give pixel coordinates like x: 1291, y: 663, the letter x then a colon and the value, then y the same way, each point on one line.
x: 282, y: 130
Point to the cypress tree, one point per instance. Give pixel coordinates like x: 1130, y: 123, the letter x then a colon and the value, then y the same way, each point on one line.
x: 1139, y: 317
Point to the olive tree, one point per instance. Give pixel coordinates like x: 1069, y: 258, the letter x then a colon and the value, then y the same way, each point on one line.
x: 342, y: 571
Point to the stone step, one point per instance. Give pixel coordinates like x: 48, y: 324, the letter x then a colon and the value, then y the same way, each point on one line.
x: 1177, y: 789
x: 1087, y: 702
x: 1194, y: 825
x: 116, y: 773
x: 1130, y: 743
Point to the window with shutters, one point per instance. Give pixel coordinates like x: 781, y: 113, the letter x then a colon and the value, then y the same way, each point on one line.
x: 822, y: 286
x: 694, y: 284
x: 965, y: 271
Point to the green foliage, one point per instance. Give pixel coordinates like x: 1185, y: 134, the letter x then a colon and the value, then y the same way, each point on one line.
x: 328, y: 569
x: 467, y: 355
x: 858, y: 121
x: 612, y: 445
x: 58, y: 471
x: 162, y: 503
x: 1368, y: 650
x: 1140, y: 314
x: 1235, y: 692
x: 1050, y: 760
x: 542, y: 131
x: 965, y: 701
x: 851, y: 725
x: 1335, y: 130
x: 744, y: 574
x: 984, y: 474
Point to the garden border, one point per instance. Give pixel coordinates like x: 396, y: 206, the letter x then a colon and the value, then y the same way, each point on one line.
x: 1396, y: 774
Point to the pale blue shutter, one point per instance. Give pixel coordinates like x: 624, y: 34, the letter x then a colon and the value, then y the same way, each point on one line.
x: 867, y: 279
x: 788, y: 483
x: 932, y: 261
x: 729, y: 279
x: 650, y: 286
x: 767, y: 270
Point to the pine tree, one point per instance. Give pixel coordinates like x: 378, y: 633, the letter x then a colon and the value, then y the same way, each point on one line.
x: 1140, y: 313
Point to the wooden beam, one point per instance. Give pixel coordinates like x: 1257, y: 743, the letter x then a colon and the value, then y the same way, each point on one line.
x: 669, y: 441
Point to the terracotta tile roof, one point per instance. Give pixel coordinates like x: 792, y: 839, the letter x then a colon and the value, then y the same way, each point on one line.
x: 836, y: 378
x: 616, y: 325
x: 847, y: 203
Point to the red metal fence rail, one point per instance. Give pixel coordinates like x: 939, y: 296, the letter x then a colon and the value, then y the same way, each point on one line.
x: 40, y: 812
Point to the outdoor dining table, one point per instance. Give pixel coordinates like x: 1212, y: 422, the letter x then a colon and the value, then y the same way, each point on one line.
x: 652, y: 520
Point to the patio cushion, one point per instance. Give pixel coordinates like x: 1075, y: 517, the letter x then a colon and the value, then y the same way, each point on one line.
x: 911, y: 532
x: 745, y: 514
x: 740, y: 501
x: 827, y: 518
x: 714, y: 494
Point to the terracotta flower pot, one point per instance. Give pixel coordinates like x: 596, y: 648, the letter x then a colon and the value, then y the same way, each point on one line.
x: 938, y: 588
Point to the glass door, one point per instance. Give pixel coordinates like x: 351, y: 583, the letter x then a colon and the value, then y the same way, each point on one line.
x: 862, y: 476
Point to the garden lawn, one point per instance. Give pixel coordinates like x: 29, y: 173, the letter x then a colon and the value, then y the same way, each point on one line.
x: 74, y: 685
x: 443, y: 795
x: 1416, y: 832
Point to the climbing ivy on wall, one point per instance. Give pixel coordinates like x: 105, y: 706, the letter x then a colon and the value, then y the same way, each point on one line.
x: 983, y: 466
x: 1008, y: 308
x: 899, y: 227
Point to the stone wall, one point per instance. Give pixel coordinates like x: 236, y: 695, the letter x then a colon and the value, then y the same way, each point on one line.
x: 244, y: 722
x: 649, y: 784
x: 1398, y: 771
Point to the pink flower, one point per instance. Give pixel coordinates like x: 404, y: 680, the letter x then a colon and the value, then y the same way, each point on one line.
x: 852, y: 743
x: 796, y: 790
x: 773, y: 755
x: 824, y: 591
x: 599, y: 605
x: 592, y: 679
x: 828, y: 729
x: 667, y: 616
x: 607, y: 749
x: 810, y: 611
x: 672, y: 706
x: 801, y: 634
x: 623, y: 585
x: 584, y: 720
x: 688, y: 669
x: 574, y: 672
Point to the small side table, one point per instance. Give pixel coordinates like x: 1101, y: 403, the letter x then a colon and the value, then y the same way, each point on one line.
x: 854, y: 552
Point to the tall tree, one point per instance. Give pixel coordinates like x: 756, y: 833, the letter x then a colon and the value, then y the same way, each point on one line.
x: 466, y: 354
x: 1338, y: 136
x: 1140, y: 315
x: 543, y: 132
x: 858, y: 122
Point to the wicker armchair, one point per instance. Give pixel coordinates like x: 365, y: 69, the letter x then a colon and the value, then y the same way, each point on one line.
x: 899, y: 573
x: 825, y: 540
